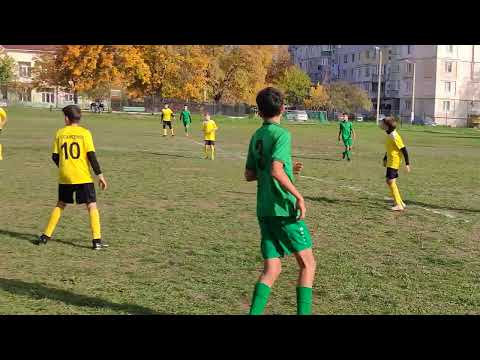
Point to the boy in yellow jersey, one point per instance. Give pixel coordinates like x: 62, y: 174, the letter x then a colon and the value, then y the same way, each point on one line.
x: 3, y: 121
x: 73, y: 153
x: 209, y: 128
x: 392, y: 159
x: 167, y: 116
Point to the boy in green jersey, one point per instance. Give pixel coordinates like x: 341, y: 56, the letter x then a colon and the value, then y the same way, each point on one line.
x: 186, y: 118
x: 347, y: 134
x: 280, y: 207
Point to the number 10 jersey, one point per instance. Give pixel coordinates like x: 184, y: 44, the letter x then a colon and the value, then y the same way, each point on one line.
x: 72, y: 143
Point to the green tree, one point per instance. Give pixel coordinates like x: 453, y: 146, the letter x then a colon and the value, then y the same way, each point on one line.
x: 318, y: 98
x: 295, y: 83
x: 7, y: 66
x: 348, y: 98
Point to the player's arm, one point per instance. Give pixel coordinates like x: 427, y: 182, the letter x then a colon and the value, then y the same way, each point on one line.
x: 250, y: 173
x: 278, y: 173
x: 405, y: 156
x: 352, y: 132
x: 385, y: 160
x: 92, y: 158
x: 339, y: 132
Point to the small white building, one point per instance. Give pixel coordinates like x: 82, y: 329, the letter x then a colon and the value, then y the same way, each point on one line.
x: 25, y: 57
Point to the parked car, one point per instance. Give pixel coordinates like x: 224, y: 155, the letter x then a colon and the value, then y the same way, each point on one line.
x: 296, y: 115
x: 3, y: 103
x: 359, y: 118
x: 424, y: 122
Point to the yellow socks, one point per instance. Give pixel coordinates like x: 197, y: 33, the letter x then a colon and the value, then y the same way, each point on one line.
x: 95, y: 223
x: 395, y: 193
x: 1, y: 158
x: 164, y: 132
x: 206, y: 151
x: 213, y: 152
x: 52, y: 223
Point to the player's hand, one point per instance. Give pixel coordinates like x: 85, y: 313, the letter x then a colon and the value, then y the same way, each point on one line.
x: 408, y: 168
x: 297, y: 167
x: 102, y: 182
x: 384, y: 163
x: 300, y: 206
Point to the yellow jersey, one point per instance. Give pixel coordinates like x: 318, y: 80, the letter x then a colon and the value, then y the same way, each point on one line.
x: 209, y: 127
x: 3, y: 116
x: 393, y: 144
x: 167, y: 114
x: 72, y: 143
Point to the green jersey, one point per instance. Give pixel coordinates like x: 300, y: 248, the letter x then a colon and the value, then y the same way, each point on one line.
x: 346, y: 128
x: 271, y: 142
x: 185, y: 116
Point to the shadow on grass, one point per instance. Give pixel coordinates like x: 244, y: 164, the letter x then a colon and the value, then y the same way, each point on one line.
x: 325, y: 199
x: 316, y: 158
x: 174, y: 155
x: 431, y: 206
x: 39, y: 291
x: 32, y: 238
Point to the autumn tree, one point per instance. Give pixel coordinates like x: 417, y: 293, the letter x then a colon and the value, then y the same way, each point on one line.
x: 318, y: 98
x: 236, y: 73
x: 281, y: 62
x: 295, y: 83
x: 82, y: 68
x: 348, y: 98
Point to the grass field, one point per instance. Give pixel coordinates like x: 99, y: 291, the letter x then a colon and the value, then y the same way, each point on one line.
x: 183, y: 233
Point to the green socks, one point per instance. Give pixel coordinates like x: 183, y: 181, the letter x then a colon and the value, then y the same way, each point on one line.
x: 304, y: 300
x: 260, y: 298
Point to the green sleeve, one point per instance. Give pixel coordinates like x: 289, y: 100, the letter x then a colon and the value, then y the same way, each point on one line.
x: 250, y: 157
x: 282, y: 149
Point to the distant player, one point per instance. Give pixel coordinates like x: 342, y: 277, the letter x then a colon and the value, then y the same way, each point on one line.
x: 280, y: 206
x: 186, y: 118
x: 347, y: 134
x: 209, y: 128
x: 3, y: 121
x: 167, y: 116
x: 392, y: 159
x: 73, y: 153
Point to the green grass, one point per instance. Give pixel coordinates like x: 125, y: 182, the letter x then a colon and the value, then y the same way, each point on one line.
x: 183, y: 233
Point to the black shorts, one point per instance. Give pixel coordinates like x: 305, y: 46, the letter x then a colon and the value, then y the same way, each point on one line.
x: 167, y: 123
x: 84, y: 193
x: 209, y: 142
x: 392, y: 173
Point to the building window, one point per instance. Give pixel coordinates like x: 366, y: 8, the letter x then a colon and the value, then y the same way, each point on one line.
x: 68, y: 97
x: 345, y: 74
x: 409, y: 49
x: 408, y: 104
x: 367, y: 71
x: 398, y: 85
x: 368, y: 54
x: 396, y: 68
x: 345, y: 59
x: 448, y: 66
x: 448, y: 87
x: 48, y: 97
x: 318, y: 67
x: 353, y: 58
x: 25, y: 95
x: 351, y: 75
x: 409, y: 68
x: 25, y: 69
x: 446, y: 106
x: 450, y: 49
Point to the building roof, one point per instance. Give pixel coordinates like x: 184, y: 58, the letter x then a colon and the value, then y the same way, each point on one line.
x: 30, y: 48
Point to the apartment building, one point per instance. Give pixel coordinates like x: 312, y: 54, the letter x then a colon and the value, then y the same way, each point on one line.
x: 21, y: 91
x: 447, y: 78
x: 315, y: 60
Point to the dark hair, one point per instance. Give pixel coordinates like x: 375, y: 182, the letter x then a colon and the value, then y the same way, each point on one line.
x: 344, y: 114
x: 270, y: 102
x: 73, y: 113
x: 391, y: 122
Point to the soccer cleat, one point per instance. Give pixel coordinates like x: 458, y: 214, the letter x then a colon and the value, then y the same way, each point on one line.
x: 98, y: 245
x: 398, y: 208
x: 43, y: 239
x: 404, y: 205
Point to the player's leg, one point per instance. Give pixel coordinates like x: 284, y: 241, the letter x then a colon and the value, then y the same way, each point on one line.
x: 1, y: 158
x: 212, y: 149
x: 86, y: 195
x: 306, y: 262
x: 52, y: 222
x: 206, y: 148
x: 349, y: 152
x: 392, y: 184
x: 164, y: 128
x: 271, y: 253
x: 171, y: 128
x: 271, y: 271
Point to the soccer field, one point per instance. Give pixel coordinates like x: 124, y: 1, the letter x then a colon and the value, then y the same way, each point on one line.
x: 183, y: 233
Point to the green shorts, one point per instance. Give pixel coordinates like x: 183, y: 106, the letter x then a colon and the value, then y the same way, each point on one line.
x: 347, y: 142
x: 186, y: 123
x: 282, y: 236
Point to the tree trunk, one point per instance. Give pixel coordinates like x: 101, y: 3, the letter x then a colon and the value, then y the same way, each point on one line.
x: 75, y: 97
